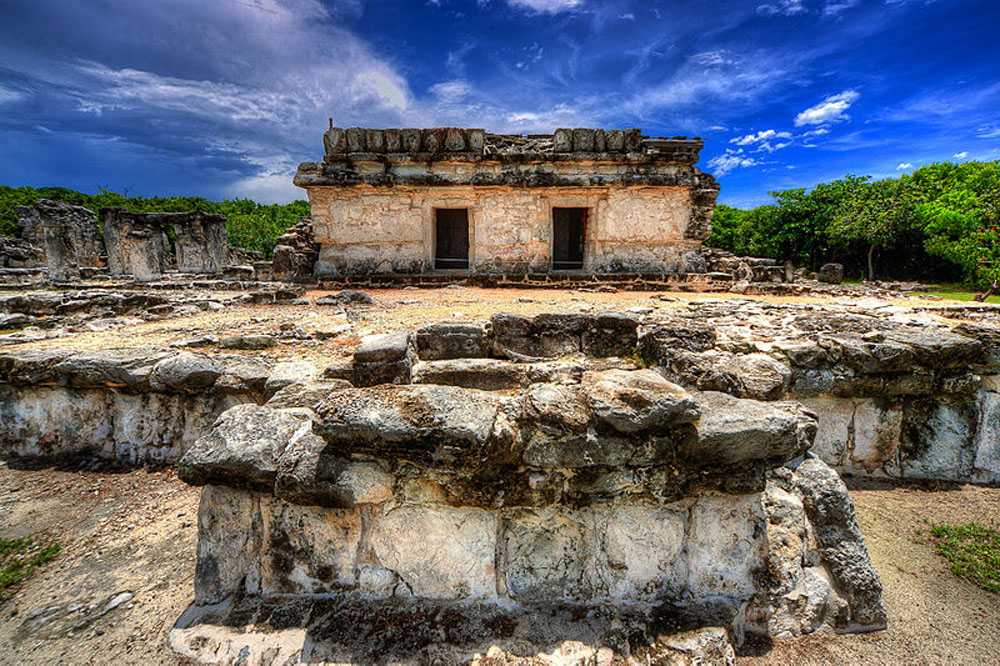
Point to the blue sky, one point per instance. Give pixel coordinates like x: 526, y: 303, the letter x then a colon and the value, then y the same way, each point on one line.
x: 223, y: 98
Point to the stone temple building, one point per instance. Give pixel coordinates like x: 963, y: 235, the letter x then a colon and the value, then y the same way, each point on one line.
x: 450, y: 199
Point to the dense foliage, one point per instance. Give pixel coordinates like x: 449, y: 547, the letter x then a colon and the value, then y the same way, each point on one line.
x: 938, y: 223
x: 249, y: 224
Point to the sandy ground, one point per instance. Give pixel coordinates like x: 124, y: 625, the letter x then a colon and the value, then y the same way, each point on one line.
x: 135, y: 532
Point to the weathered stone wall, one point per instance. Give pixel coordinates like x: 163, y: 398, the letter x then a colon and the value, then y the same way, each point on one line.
x: 373, y: 199
x: 134, y: 405
x: 68, y: 235
x: 201, y: 243
x: 368, y: 230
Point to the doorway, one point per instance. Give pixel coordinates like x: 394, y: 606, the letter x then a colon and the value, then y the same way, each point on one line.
x: 568, y: 225
x: 451, y: 235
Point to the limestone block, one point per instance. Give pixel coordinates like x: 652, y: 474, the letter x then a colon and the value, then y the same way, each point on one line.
x: 723, y: 549
x: 184, y: 372
x: 937, y: 436
x: 306, y: 394
x: 70, y: 238
x: 600, y: 141
x: 454, y: 140
x: 201, y: 242
x: 633, y: 140
x: 431, y: 140
x: 374, y: 141
x: 243, y: 448
x: 229, y: 534
x: 583, y: 140
x: 733, y: 430
x: 355, y: 140
x: 382, y: 347
x: 637, y: 400
x: 562, y: 140
x: 641, y: 559
x: 447, y: 341
x: 835, y: 424
x: 876, y: 435
x: 545, y: 336
x: 987, y: 461
x: 393, y: 140
x: 307, y: 550
x: 611, y: 334
x: 546, y: 557
x: 490, y: 374
x: 476, y: 139
x: 615, y: 141
x: 289, y: 372
x: 439, y: 552
x: 136, y: 243
x: 410, y: 140
x: 335, y: 141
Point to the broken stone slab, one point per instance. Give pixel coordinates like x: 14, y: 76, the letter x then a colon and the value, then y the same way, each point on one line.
x: 136, y: 244
x: 71, y: 238
x: 610, y: 334
x: 200, y: 241
x: 243, y: 448
x: 490, y: 374
x: 452, y: 341
x: 637, y: 401
x: 186, y: 372
x: 306, y: 394
x: 431, y: 424
x: 248, y: 342
x: 545, y: 336
x: 346, y: 297
x: 289, y: 372
x: 384, y: 347
x: 733, y: 430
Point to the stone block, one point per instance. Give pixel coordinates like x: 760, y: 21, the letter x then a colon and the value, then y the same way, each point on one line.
x: 583, y: 140
x: 600, y: 141
x: 374, y: 141
x: 200, y: 242
x: 355, y: 140
x: 831, y: 273
x: 476, y: 139
x: 410, y: 140
x: 546, y: 557
x: 439, y: 552
x: 393, y: 140
x: 229, y: 534
x: 70, y: 238
x: 431, y: 140
x: 454, y: 140
x: 136, y: 243
x: 335, y: 141
x: 383, y: 347
x: 615, y: 141
x: 876, y: 435
x: 633, y: 140
x: 611, y: 334
x: 447, y: 341
x: 489, y: 374
x: 562, y: 140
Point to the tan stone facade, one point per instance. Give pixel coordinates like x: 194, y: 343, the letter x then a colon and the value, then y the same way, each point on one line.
x: 643, y: 210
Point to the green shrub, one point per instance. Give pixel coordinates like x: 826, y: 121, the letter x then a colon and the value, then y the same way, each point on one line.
x: 20, y: 558
x: 972, y: 551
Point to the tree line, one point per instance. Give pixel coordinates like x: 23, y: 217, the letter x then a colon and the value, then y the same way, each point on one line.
x: 249, y: 224
x: 939, y: 223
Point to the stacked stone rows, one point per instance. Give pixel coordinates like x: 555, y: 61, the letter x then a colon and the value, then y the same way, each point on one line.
x: 338, y: 141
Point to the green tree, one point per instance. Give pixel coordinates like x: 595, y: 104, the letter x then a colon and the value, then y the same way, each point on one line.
x: 873, y: 213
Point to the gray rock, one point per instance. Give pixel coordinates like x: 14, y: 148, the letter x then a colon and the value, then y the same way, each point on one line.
x: 70, y: 238
x: 831, y: 273
x: 248, y: 342
x: 305, y: 394
x: 546, y: 336
x: 384, y: 347
x: 831, y: 513
x: 109, y: 367
x: 136, y: 243
x: 184, y: 372
x: 491, y: 374
x: 448, y: 341
x: 289, y: 372
x: 346, y: 297
x: 610, y: 334
x: 733, y: 430
x: 243, y: 448
x: 200, y: 241
x: 639, y: 400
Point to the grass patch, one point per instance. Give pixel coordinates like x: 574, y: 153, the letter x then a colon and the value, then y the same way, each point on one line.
x: 954, y: 292
x: 20, y: 558
x: 972, y: 551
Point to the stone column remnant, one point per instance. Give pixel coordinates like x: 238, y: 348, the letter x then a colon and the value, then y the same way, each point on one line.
x: 70, y: 238
x: 136, y: 243
x: 200, y: 242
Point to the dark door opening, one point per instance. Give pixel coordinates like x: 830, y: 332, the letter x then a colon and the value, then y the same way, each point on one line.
x: 567, y: 238
x: 452, y: 238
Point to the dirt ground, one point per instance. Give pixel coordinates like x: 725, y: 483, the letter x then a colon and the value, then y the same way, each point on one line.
x: 135, y: 532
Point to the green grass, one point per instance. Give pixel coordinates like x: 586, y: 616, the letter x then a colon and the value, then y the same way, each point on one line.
x: 972, y: 551
x: 20, y: 558
x: 955, y: 292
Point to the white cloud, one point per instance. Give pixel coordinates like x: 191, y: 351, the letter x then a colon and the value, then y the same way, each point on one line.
x: 988, y: 131
x: 714, y: 58
x: 836, y: 6
x: 830, y: 110
x: 452, y: 91
x: 782, y: 8
x: 8, y: 96
x: 904, y: 166
x: 627, y: 16
x: 962, y: 155
x: 730, y: 161
x: 764, y: 140
x: 546, y: 6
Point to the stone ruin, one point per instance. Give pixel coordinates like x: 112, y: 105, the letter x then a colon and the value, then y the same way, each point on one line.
x: 67, y: 235
x: 411, y: 201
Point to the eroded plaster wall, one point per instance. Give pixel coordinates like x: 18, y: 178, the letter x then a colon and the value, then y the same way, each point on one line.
x: 366, y: 229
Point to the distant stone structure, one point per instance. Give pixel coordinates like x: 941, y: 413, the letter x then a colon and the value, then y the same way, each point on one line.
x: 200, y: 241
x: 590, y: 200
x: 136, y: 242
x: 69, y: 236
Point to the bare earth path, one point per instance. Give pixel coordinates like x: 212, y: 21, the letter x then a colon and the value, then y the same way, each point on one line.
x: 134, y: 532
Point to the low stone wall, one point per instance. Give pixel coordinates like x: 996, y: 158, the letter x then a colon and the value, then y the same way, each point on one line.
x: 133, y: 405
x: 619, y: 501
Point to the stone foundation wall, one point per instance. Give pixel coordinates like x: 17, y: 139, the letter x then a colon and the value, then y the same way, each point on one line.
x: 630, y: 230
x: 136, y: 406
